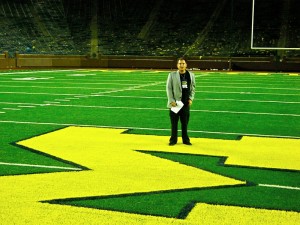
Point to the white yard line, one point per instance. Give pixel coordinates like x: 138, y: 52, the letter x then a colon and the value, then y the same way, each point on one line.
x: 247, y: 100
x: 118, y: 83
x: 13, y: 109
x: 164, y: 109
x: 249, y: 93
x: 279, y: 186
x: 55, y: 82
x: 147, y: 128
x: 21, y: 103
x: 47, y: 87
x: 124, y: 96
x: 36, y: 93
x: 57, y: 104
x: 263, y: 88
x: 136, y: 87
x: 38, y: 166
x: 37, y: 71
x: 242, y: 112
x: 26, y: 106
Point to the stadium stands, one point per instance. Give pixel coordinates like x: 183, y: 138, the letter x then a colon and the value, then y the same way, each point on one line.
x: 148, y: 28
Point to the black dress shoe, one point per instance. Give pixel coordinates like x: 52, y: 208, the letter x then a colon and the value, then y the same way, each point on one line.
x: 187, y: 143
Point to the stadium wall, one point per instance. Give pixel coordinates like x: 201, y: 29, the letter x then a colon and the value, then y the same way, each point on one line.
x: 6, y: 62
x: 143, y: 62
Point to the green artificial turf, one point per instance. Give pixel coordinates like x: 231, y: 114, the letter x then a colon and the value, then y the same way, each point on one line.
x: 226, y: 106
x: 178, y: 203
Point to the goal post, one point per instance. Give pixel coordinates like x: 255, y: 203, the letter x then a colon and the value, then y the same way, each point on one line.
x: 264, y: 47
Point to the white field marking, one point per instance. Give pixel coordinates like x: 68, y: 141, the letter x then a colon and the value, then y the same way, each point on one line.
x: 205, y: 99
x: 238, y: 112
x: 71, y: 70
x: 82, y: 96
x: 164, y: 109
x: 147, y: 97
x: 248, y: 93
x: 156, y: 71
x: 2, y: 112
x: 20, y: 103
x: 246, y: 100
x: 147, y: 128
x: 13, y: 109
x: 50, y: 102
x: 102, y: 83
x: 202, y: 73
x: 264, y: 88
x: 246, y: 82
x: 73, y: 98
x: 26, y: 106
x: 39, y: 166
x: 246, y: 87
x: 45, y: 87
x: 124, y: 96
x: 32, y: 78
x: 224, y: 92
x: 137, y: 87
x: 127, y: 89
x: 62, y: 100
x: 37, y: 93
x: 57, y: 104
x: 55, y: 82
x: 250, y: 78
x: 229, y: 92
x: 106, y: 79
x: 109, y: 107
x: 38, y: 71
x: 279, y: 186
x: 81, y: 74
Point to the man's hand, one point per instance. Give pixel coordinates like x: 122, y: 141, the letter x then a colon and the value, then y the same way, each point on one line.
x: 190, y: 102
x: 173, y: 104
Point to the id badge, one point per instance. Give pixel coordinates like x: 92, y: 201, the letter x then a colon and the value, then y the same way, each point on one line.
x: 184, y: 84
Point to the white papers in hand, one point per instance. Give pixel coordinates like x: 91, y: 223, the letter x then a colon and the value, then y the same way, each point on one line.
x: 179, y: 105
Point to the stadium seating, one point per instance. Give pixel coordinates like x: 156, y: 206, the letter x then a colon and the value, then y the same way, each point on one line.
x: 152, y: 28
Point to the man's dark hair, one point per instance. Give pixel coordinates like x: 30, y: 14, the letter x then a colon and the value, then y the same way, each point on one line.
x: 181, y: 58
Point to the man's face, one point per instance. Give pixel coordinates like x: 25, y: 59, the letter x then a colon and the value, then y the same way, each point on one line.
x: 181, y: 65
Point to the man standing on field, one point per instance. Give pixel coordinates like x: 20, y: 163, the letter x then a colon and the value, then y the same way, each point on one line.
x: 180, y: 87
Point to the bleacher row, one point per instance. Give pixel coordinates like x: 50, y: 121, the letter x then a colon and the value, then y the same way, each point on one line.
x: 152, y: 27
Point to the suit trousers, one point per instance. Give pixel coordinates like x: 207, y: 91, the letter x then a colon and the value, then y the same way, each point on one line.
x: 184, y: 116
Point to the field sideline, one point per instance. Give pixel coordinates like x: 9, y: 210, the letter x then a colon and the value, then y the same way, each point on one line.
x: 105, y: 134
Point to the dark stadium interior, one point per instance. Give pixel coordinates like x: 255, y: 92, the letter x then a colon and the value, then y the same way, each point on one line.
x: 148, y: 28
